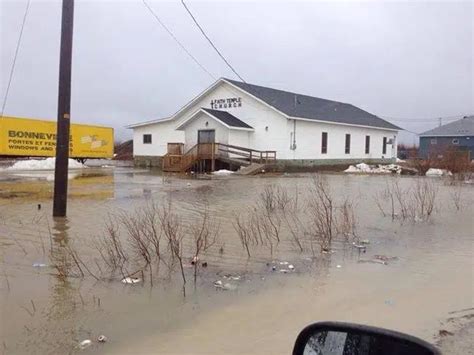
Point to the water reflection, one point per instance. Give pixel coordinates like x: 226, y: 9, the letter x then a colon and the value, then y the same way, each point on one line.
x: 60, y: 230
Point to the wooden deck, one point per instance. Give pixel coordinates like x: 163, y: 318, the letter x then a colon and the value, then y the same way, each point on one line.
x: 178, y: 161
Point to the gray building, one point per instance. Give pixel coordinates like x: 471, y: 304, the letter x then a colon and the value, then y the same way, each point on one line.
x: 458, y: 135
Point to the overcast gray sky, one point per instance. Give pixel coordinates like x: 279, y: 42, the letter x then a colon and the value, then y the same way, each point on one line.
x: 408, y: 60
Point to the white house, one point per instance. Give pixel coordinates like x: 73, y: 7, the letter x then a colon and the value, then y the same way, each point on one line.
x: 301, y: 129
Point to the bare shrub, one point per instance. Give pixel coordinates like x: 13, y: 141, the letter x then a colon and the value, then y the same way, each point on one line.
x: 346, y: 221
x: 402, y: 197
x: 415, y: 202
x: 274, y: 197
x: 267, y: 198
x: 321, y: 212
x: 135, y: 226
x: 244, y: 231
x: 424, y: 195
x: 204, y: 232
x: 456, y: 197
x: 296, y: 228
x: 110, y: 247
x: 174, y: 234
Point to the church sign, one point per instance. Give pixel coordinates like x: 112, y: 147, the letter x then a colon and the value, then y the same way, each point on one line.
x: 226, y: 103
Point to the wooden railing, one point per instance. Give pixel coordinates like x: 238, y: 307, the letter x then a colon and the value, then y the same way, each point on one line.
x: 252, y: 155
x: 175, y: 148
x: 212, y: 151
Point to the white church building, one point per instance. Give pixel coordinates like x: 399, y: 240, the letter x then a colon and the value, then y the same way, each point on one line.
x: 233, y: 119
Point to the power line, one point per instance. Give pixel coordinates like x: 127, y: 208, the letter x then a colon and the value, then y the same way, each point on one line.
x: 414, y: 119
x: 210, y: 42
x: 176, y: 39
x: 14, y: 58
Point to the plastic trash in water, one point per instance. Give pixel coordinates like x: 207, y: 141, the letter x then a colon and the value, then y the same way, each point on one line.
x: 131, y: 280
x: 84, y: 344
x: 284, y: 271
x: 101, y: 338
x: 359, y: 246
x: 284, y: 262
x: 291, y: 267
x: 338, y: 266
x: 274, y: 268
x: 389, y: 302
x: 225, y: 286
x: 365, y: 241
x: 38, y: 265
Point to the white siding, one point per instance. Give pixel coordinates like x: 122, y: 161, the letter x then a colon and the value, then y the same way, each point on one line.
x: 240, y: 138
x: 161, y: 135
x: 309, y: 136
x: 199, y: 122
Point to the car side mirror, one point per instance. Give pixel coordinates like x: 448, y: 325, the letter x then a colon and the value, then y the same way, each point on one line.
x: 335, y: 338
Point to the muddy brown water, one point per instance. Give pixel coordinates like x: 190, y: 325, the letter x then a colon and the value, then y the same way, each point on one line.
x: 41, y: 314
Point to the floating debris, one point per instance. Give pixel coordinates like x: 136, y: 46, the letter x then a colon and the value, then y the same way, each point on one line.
x: 38, y: 265
x: 364, y: 241
x: 385, y: 258
x: 274, y: 268
x: 389, y: 302
x: 372, y: 261
x: 84, y: 344
x: 284, y: 262
x: 131, y: 280
x: 204, y: 264
x: 284, y: 271
x: 359, y: 246
x: 224, y: 286
x: 218, y: 283
x: 291, y: 267
x: 101, y: 338
x: 338, y: 266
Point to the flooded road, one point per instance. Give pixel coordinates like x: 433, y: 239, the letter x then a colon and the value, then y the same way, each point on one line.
x: 429, y: 272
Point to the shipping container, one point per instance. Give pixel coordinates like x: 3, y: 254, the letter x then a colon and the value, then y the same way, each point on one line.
x: 37, y: 138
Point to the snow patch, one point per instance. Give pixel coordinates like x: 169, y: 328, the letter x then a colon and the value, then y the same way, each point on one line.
x: 372, y: 169
x: 438, y: 172
x: 223, y: 172
x: 42, y: 164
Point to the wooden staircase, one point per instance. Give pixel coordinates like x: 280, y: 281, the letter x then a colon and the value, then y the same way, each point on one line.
x: 177, y: 161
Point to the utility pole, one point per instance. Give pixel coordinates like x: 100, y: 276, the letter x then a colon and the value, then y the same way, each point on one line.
x: 440, y: 123
x: 64, y: 109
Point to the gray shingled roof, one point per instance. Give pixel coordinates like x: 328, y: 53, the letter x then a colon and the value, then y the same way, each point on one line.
x: 462, y: 127
x: 303, y: 106
x: 227, y: 118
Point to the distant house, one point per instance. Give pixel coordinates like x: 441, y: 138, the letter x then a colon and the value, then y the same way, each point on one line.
x: 457, y: 135
x: 246, y: 121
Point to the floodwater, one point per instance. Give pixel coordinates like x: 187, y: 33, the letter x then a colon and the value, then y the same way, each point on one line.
x: 429, y: 282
